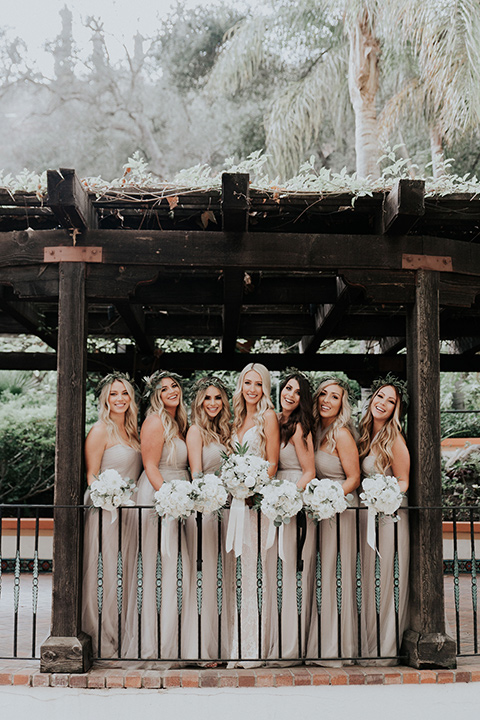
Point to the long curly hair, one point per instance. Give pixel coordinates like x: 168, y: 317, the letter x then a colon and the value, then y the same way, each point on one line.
x: 303, y: 414
x: 172, y: 426
x: 219, y: 428
x: 239, y: 405
x: 382, y: 443
x: 131, y: 415
x: 343, y: 419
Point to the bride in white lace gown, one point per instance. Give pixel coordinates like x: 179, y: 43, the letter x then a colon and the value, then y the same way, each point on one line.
x: 208, y: 439
x: 255, y: 425
x: 112, y: 443
x: 383, y: 450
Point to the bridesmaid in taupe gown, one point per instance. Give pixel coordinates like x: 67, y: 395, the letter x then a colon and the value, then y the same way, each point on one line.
x: 383, y: 450
x: 208, y: 440
x: 112, y: 443
x: 336, y: 458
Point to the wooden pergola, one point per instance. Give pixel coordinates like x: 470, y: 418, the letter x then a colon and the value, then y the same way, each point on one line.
x: 237, y: 265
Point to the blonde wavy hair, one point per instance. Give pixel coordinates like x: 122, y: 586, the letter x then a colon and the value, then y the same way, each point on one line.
x: 131, y: 415
x: 172, y: 427
x: 381, y: 445
x: 343, y: 419
x: 219, y: 428
x: 239, y: 405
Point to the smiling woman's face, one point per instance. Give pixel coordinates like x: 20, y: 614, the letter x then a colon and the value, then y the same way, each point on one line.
x: 330, y: 401
x: 170, y: 393
x: 252, y: 388
x: 383, y: 403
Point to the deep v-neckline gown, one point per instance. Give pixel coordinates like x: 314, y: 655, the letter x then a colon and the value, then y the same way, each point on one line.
x: 128, y: 462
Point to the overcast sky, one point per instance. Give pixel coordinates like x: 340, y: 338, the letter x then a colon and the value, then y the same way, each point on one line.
x: 37, y: 21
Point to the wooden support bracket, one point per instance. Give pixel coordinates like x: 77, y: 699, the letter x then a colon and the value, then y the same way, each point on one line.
x: 70, y: 201
x: 404, y: 204
x: 235, y: 202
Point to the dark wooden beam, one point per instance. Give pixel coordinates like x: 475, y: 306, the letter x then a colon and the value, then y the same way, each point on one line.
x: 27, y: 315
x: 467, y: 346
x: 69, y: 200
x: 327, y: 317
x: 235, y: 202
x: 425, y: 643
x: 134, y: 318
x: 288, y: 252
x: 391, y: 345
x: 233, y: 283
x: 404, y: 204
x: 68, y: 649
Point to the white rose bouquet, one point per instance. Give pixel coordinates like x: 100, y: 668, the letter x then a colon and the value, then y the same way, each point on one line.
x: 281, y: 500
x: 174, y: 499
x: 243, y: 475
x: 323, y: 499
x: 208, y: 493
x: 381, y: 494
x: 109, y: 491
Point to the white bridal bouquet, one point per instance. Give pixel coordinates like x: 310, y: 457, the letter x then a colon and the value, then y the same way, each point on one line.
x: 174, y: 499
x: 323, y: 499
x: 208, y: 493
x: 109, y: 490
x: 381, y: 494
x: 281, y: 500
x: 243, y: 475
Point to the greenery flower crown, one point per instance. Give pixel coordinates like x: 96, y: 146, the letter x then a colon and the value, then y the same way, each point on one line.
x: 109, y: 379
x: 341, y: 382
x: 205, y: 382
x: 153, y: 382
x: 399, y: 385
x: 290, y: 371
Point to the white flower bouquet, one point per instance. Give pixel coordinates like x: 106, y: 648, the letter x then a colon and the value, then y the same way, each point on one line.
x: 109, y: 491
x: 243, y: 475
x: 281, y: 500
x: 174, y: 499
x: 323, y: 499
x: 208, y: 493
x: 382, y: 493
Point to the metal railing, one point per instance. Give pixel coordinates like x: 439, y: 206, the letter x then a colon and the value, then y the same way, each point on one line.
x: 188, y: 600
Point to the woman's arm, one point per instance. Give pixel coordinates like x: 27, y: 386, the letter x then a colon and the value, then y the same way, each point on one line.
x: 305, y: 455
x: 348, y: 454
x: 151, y: 443
x: 272, y: 435
x: 401, y: 463
x: 95, y: 446
x: 194, y: 448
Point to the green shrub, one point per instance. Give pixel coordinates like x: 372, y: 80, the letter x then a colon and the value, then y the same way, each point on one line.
x: 461, y: 485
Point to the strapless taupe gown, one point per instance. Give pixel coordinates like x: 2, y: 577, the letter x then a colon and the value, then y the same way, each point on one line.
x: 337, y: 641
x: 128, y: 462
x: 159, y: 610
x: 215, y: 620
x: 386, y: 548
x: 295, y: 613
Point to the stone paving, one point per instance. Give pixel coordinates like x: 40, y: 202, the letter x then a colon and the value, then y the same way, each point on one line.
x: 115, y: 674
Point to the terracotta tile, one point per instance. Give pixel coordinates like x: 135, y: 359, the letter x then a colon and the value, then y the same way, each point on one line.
x: 114, y: 679
x: 209, y: 678
x: 445, y: 676
x: 264, y: 677
x: 78, y: 681
x: 475, y: 674
x: 5, y: 678
x: 463, y: 675
x: 319, y: 676
x: 246, y: 677
x: 338, y: 676
x: 228, y: 678
x: 411, y: 677
x: 133, y: 679
x: 59, y: 679
x: 301, y: 676
x: 393, y: 678
x: 40, y: 679
x: 283, y: 678
x: 152, y: 679
x: 374, y: 678
x: 428, y: 676
x: 356, y: 675
x: 190, y: 678
x: 96, y: 680
x: 21, y: 678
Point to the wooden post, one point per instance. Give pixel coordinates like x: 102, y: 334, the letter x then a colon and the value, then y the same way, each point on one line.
x: 68, y: 649
x: 425, y: 643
